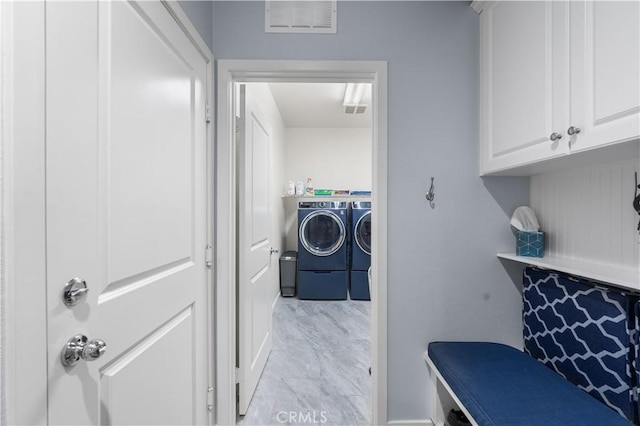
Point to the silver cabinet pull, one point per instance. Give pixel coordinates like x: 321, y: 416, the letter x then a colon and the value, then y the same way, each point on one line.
x: 555, y: 136
x: 79, y: 347
x: 573, y: 130
x: 75, y: 291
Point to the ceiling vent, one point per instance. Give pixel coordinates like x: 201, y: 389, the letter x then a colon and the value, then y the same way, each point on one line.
x: 352, y: 101
x: 360, y: 109
x: 301, y: 16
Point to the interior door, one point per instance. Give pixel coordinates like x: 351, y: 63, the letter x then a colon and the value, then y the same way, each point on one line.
x: 254, y: 246
x: 125, y: 182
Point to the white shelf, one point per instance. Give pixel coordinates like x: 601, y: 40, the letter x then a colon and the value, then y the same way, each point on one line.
x: 335, y: 197
x: 628, y: 278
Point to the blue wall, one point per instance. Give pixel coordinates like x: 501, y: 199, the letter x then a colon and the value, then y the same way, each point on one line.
x: 445, y: 282
x: 200, y: 12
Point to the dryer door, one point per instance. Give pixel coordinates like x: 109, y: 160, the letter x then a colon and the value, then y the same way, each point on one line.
x: 363, y: 233
x: 322, y: 233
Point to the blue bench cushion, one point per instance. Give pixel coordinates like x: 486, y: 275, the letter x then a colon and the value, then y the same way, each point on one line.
x: 583, y: 332
x: 500, y: 385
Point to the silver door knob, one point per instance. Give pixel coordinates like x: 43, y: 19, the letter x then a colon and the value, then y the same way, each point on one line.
x: 555, y: 136
x: 75, y: 291
x: 79, y: 347
x: 573, y: 131
x: 273, y: 250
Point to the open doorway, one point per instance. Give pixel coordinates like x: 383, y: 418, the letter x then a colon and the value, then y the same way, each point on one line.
x: 229, y: 74
x: 304, y: 167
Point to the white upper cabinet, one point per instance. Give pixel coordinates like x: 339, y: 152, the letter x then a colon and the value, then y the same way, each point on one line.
x: 556, y: 77
x: 605, y: 72
x: 524, y: 83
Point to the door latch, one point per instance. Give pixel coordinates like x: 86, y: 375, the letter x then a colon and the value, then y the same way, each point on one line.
x: 74, y: 291
x: 208, y: 256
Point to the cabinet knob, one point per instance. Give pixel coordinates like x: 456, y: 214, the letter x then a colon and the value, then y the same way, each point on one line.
x: 573, y: 131
x: 555, y: 136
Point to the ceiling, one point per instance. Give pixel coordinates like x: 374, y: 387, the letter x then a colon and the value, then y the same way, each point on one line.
x: 318, y: 105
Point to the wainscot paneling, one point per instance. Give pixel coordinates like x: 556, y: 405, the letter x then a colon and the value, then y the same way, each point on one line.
x: 587, y: 213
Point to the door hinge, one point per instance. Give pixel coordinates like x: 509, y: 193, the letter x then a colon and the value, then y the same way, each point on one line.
x: 238, y: 124
x: 208, y: 113
x: 208, y: 256
x: 237, y: 375
x: 210, y: 398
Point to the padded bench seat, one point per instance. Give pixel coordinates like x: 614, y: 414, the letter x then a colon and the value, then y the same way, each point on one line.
x: 496, y: 384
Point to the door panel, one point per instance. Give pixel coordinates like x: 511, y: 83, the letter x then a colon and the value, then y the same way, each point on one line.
x: 524, y: 82
x: 150, y: 358
x: 254, y: 300
x: 605, y: 89
x: 126, y: 211
x: 148, y: 94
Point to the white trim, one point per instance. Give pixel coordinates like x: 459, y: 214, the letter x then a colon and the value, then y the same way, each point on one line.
x: 23, y: 212
x: 3, y: 227
x: 22, y: 32
x: 191, y: 31
x: 478, y: 5
x: 229, y: 72
x: 437, y: 408
x: 410, y: 422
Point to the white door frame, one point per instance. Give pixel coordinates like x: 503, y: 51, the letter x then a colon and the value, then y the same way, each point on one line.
x: 23, y: 283
x: 235, y: 71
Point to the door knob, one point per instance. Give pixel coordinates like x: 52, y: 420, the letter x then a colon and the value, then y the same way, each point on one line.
x: 573, y: 131
x: 75, y: 291
x: 555, y: 136
x: 79, y: 347
x: 273, y: 250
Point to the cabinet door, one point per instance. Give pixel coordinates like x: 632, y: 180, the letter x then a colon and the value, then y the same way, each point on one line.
x: 524, y: 74
x: 605, y: 72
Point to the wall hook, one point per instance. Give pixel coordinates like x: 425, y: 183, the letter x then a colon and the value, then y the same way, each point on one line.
x: 431, y: 194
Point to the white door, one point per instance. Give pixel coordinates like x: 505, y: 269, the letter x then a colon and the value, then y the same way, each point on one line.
x: 254, y: 246
x: 605, y: 72
x: 524, y: 80
x: 125, y: 159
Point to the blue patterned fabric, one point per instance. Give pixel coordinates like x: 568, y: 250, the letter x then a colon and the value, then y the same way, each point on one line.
x: 584, y: 333
x: 635, y: 372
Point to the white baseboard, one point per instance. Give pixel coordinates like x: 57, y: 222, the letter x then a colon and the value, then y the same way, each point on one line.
x: 410, y: 422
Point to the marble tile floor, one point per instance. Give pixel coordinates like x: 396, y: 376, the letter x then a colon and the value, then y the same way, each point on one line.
x: 318, y: 370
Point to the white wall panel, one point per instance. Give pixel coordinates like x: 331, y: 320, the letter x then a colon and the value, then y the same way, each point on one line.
x: 587, y: 213
x: 333, y: 158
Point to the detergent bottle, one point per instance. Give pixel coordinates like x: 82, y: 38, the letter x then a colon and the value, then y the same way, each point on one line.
x: 309, y: 187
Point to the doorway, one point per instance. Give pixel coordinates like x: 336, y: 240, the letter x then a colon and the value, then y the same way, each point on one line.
x: 305, y: 354
x: 230, y: 73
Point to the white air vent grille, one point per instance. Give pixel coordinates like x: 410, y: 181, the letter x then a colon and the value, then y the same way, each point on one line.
x: 355, y: 109
x: 300, y: 16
